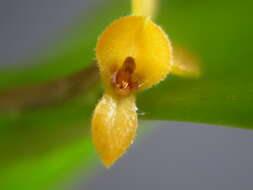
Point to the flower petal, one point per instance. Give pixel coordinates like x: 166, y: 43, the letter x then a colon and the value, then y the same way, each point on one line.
x: 114, y: 126
x: 137, y: 37
x: 186, y: 64
x: 144, y: 7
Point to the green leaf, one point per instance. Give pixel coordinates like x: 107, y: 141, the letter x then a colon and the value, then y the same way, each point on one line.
x: 45, y: 145
x: 217, y: 34
x: 40, y: 173
x: 220, y: 34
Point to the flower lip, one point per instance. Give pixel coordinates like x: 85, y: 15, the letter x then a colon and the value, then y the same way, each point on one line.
x: 122, y: 80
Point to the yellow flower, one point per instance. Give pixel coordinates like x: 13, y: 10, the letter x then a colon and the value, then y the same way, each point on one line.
x: 133, y: 54
x: 134, y: 41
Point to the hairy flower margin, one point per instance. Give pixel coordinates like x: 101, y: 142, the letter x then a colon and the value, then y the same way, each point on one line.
x: 133, y: 54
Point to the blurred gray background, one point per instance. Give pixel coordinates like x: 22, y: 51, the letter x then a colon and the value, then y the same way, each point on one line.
x: 173, y: 156
x: 28, y: 26
x: 180, y: 156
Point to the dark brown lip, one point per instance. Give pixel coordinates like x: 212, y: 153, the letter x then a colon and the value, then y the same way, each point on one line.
x: 122, y: 80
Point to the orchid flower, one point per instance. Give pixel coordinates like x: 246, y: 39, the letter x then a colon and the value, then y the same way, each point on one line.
x: 133, y: 54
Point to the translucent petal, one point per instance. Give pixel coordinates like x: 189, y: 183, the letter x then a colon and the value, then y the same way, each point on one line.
x: 137, y: 37
x: 114, y: 126
x: 144, y: 7
x: 186, y: 64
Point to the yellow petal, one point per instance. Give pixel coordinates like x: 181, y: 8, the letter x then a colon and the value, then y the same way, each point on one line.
x: 137, y: 37
x: 185, y: 64
x: 114, y: 126
x: 144, y: 7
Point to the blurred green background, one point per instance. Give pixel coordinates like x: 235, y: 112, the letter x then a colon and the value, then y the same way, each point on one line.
x: 47, y: 95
